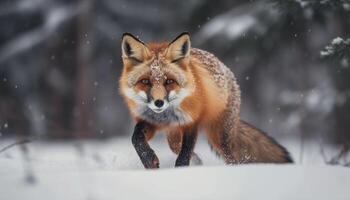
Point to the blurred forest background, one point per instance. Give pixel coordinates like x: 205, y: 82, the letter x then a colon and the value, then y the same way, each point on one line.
x: 60, y: 62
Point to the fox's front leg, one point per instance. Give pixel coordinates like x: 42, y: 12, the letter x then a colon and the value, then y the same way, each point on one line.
x: 142, y: 132
x: 188, y: 141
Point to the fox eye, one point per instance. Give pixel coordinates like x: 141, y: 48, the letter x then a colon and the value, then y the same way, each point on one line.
x: 145, y: 81
x: 169, y: 81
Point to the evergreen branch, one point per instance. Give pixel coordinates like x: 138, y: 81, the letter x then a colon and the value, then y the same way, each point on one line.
x: 338, y: 49
x: 295, y: 7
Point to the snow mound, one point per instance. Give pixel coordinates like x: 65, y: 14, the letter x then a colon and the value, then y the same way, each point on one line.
x: 110, y: 169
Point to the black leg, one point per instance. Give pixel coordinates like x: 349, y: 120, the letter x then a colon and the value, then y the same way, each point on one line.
x: 148, y: 158
x: 188, y: 142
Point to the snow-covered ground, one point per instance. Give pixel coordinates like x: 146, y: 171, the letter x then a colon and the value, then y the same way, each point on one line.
x: 111, y: 170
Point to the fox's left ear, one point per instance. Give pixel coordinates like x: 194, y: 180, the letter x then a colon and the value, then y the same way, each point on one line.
x: 179, y: 48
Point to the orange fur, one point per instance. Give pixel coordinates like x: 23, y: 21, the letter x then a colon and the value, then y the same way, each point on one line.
x: 213, y: 103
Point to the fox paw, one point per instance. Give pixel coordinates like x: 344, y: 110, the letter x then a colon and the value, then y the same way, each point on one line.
x: 182, y: 162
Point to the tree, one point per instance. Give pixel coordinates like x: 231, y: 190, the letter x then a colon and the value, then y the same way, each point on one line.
x: 337, y: 54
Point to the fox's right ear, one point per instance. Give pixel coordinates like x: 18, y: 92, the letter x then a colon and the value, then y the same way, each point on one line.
x: 133, y: 48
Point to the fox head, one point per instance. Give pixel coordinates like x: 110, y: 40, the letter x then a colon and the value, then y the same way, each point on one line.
x: 156, y: 78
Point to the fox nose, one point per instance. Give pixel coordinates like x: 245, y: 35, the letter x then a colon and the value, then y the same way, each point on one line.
x: 159, y: 103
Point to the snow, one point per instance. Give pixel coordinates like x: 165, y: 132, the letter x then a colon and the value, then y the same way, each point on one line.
x: 237, y: 22
x: 243, y: 182
x: 110, y: 169
x: 326, y: 53
x: 335, y: 44
x: 337, y: 40
x: 346, y: 6
x: 232, y: 28
x: 302, y: 3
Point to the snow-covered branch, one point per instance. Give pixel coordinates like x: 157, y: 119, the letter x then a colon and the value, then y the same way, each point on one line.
x: 238, y: 21
x: 339, y: 48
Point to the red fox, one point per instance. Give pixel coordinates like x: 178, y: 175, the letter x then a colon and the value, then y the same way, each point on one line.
x: 182, y: 90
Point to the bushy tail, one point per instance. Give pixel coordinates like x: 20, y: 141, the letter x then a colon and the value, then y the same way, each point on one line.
x: 248, y: 144
x: 262, y: 146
